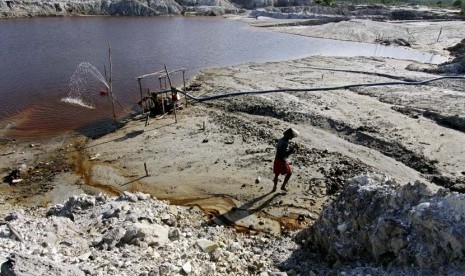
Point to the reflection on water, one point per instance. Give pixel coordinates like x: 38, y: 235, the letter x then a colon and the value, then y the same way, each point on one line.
x: 38, y: 57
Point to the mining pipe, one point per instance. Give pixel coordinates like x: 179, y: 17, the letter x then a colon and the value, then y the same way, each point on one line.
x: 209, y: 98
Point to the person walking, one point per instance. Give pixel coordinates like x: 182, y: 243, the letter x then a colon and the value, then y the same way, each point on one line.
x: 280, y: 165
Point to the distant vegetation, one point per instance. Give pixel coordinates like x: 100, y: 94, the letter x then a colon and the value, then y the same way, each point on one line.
x: 460, y: 4
x: 324, y: 2
x: 454, y: 4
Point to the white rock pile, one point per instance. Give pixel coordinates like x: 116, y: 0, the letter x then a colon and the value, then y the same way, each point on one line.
x: 132, y: 234
x: 374, y: 220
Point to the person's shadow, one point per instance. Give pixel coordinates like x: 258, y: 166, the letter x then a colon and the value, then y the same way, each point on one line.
x: 245, y: 210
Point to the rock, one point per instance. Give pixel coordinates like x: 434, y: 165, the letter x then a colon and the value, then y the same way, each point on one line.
x: 215, y: 255
x: 84, y: 256
x: 113, y: 237
x: 390, y: 225
x: 234, y: 247
x: 207, y: 245
x: 164, y: 269
x: 142, y: 196
x: 342, y: 227
x: 127, y: 196
x: 153, y: 234
x: 169, y: 219
x: 112, y: 213
x: 73, y: 205
x: 23, y: 264
x: 187, y: 268
x: 14, y: 215
x: 173, y: 210
x: 174, y: 234
x: 459, y: 188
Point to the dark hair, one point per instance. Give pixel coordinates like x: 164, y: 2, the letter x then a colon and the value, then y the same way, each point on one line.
x: 289, y: 133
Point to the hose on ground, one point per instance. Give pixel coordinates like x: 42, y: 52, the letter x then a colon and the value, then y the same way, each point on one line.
x: 234, y: 94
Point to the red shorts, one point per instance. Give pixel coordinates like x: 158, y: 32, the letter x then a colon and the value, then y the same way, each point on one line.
x: 281, y: 167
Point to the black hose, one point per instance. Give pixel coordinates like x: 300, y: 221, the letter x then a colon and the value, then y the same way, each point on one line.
x: 209, y: 98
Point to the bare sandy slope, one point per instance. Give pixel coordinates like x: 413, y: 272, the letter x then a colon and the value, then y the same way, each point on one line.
x: 422, y: 36
x: 343, y: 133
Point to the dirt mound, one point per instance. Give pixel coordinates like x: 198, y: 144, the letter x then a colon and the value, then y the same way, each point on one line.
x: 376, y: 220
x: 458, y: 49
x: 457, y: 65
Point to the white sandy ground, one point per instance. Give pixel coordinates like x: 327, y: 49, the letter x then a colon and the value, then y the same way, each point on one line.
x: 430, y: 37
x: 221, y: 173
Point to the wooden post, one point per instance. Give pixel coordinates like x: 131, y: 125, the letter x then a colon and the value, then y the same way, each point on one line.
x: 440, y: 31
x: 147, y: 119
x: 15, y: 233
x: 139, y: 80
x: 162, y: 95
x: 110, y: 83
x: 205, y: 140
x: 146, y: 171
x: 184, y: 85
x: 172, y: 98
x: 163, y: 102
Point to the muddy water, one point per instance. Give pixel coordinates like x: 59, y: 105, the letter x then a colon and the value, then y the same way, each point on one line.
x: 223, y: 210
x: 38, y: 57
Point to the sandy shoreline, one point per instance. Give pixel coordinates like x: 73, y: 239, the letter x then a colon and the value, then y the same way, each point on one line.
x: 343, y: 133
x: 429, y: 37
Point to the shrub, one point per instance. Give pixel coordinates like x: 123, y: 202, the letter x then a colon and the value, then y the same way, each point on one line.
x: 324, y: 2
x: 458, y: 4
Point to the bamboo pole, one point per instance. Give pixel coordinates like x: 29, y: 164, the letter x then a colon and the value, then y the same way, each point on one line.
x: 184, y: 85
x: 111, y: 84
x: 150, y: 74
x: 139, y: 80
x: 172, y: 99
x: 105, y: 70
x: 162, y: 95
